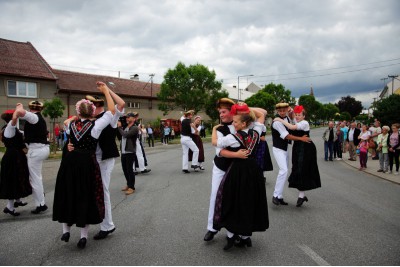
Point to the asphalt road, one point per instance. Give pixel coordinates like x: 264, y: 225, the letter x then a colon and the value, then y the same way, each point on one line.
x: 354, y: 219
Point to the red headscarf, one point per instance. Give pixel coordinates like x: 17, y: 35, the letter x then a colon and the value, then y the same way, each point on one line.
x: 298, y: 109
x: 240, y: 108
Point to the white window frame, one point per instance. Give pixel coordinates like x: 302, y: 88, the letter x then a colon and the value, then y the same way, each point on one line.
x: 18, y: 94
x: 133, y: 104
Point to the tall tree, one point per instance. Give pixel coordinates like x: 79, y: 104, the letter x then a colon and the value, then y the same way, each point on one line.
x: 210, y: 105
x: 388, y: 110
x: 328, y: 111
x: 187, y: 88
x: 351, y: 105
x: 280, y: 93
x: 263, y: 100
x: 54, y: 109
x: 311, y: 106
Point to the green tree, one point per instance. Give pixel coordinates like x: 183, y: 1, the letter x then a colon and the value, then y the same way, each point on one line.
x: 388, y: 110
x: 311, y: 106
x: 351, y: 105
x: 210, y: 105
x: 345, y: 116
x: 187, y: 88
x: 53, y: 109
x: 328, y: 112
x: 280, y: 93
x: 263, y: 100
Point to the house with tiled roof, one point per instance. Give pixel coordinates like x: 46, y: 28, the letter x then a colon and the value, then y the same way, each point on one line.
x: 25, y: 76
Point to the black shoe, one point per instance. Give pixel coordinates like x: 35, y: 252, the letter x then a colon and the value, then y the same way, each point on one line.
x: 244, y: 242
x: 201, y: 168
x: 230, y: 242
x: 103, y: 234
x: 380, y: 170
x: 136, y: 173
x: 195, y: 168
x: 375, y: 158
x: 186, y: 171
x: 300, y: 201
x: 19, y: 204
x: 282, y: 202
x: 82, y: 243
x: 65, y: 237
x: 330, y: 159
x: 39, y: 209
x: 209, y: 235
x: 275, y: 200
x: 11, y: 212
x: 146, y: 171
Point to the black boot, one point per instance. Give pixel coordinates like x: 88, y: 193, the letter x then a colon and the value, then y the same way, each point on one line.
x: 244, y: 242
x: 300, y: 201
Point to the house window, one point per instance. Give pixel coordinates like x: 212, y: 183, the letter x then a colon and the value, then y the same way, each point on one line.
x: 22, y: 89
x: 133, y: 105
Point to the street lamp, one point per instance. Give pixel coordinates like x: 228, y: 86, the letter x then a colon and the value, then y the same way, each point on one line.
x: 249, y: 75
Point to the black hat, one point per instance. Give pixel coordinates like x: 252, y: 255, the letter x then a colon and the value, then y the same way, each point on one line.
x: 132, y: 114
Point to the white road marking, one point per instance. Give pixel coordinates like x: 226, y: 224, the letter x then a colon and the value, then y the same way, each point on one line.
x: 313, y: 255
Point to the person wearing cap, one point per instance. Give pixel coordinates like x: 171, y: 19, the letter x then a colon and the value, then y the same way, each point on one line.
x: 305, y: 175
x: 14, y: 174
x: 187, y: 143
x: 106, y: 152
x: 222, y: 160
x: 35, y: 133
x: 78, y: 195
x: 280, y: 141
x: 129, y: 134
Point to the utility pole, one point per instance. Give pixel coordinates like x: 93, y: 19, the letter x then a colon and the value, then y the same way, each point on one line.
x: 393, y: 77
x: 151, y: 90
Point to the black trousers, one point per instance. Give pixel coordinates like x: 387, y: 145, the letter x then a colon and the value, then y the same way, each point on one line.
x: 394, y: 156
x: 127, y: 161
x: 150, y: 138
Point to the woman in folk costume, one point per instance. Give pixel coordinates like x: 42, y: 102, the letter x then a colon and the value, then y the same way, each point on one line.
x: 14, y: 176
x: 196, y: 127
x: 305, y: 175
x: 241, y: 204
x: 78, y: 196
x: 263, y: 156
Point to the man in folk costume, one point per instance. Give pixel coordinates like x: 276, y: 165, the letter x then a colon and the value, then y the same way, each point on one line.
x: 187, y: 143
x: 35, y: 132
x: 106, y: 152
x: 221, y: 160
x: 280, y: 140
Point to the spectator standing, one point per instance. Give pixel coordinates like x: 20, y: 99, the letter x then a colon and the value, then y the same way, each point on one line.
x: 382, y: 149
x: 363, y: 146
x: 394, y: 148
x: 329, y: 137
x: 56, y: 134
x: 352, y: 139
x: 150, y: 135
x: 344, y: 129
x: 375, y: 131
x: 337, y: 145
x: 167, y: 132
x: 144, y: 134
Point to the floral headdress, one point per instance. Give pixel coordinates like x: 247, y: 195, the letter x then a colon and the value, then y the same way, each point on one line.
x: 78, y: 104
x: 298, y: 109
x: 240, y: 108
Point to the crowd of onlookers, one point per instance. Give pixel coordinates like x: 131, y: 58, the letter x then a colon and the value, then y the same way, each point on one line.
x: 362, y: 140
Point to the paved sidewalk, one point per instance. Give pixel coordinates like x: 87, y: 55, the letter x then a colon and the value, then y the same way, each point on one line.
x: 372, y: 168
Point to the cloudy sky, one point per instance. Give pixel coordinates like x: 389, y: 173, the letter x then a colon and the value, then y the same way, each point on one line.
x: 339, y: 47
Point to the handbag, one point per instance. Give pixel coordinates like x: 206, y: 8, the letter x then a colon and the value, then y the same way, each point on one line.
x: 358, y: 151
x: 371, y: 143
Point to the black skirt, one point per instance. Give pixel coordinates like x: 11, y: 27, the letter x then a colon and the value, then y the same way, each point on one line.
x: 241, y: 204
x: 79, y: 196
x: 199, y: 143
x: 305, y: 173
x: 14, y: 177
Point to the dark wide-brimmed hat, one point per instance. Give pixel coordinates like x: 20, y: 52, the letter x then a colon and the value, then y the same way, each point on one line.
x: 97, y: 101
x: 35, y: 105
x: 225, y: 103
x: 282, y: 105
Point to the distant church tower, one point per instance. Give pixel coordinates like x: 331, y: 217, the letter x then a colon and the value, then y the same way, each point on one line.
x: 312, y: 91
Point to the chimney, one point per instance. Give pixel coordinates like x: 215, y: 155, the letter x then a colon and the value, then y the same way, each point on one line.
x: 135, y: 77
